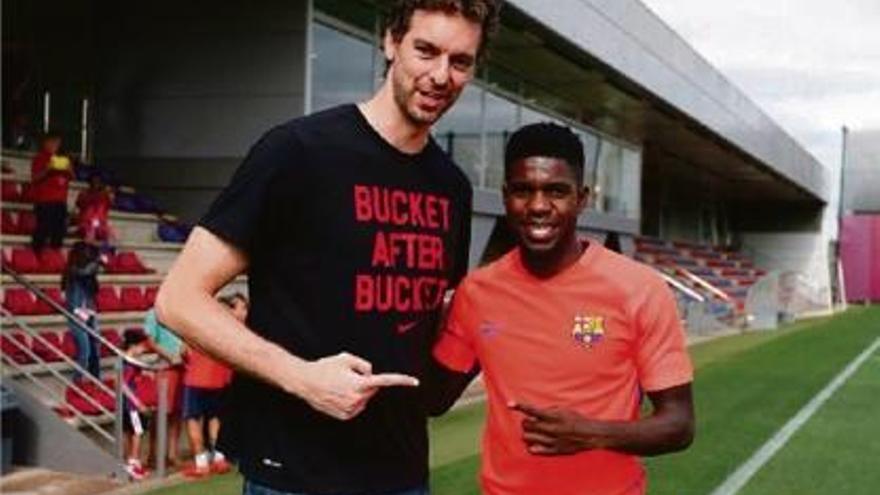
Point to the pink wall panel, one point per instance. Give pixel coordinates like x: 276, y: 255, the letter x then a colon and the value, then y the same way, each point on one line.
x: 860, y: 251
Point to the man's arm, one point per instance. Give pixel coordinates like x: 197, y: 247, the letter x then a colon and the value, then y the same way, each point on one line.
x: 669, y: 428
x: 444, y: 386
x: 339, y: 385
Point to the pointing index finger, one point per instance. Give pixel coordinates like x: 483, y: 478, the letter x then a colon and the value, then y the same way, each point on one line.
x: 389, y: 380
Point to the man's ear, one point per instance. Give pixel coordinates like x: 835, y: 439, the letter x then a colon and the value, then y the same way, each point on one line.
x: 389, y: 46
x: 583, y: 198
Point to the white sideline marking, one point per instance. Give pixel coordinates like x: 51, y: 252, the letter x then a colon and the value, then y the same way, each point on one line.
x: 736, y: 481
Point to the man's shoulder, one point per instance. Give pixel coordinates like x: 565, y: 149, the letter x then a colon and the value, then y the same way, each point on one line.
x: 306, y: 129
x: 499, y: 271
x: 330, y: 123
x: 628, y: 276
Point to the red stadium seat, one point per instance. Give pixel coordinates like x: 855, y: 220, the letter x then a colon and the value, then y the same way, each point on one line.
x: 27, y: 223
x: 43, y: 308
x: 19, y: 301
x: 24, y: 260
x: 150, y: 296
x: 112, y: 336
x: 52, y: 352
x: 76, y: 400
x: 132, y: 299
x: 27, y: 193
x: 127, y: 262
x: 10, y: 223
x: 10, y: 191
x: 13, y: 351
x: 52, y: 261
x: 108, y: 300
x: 68, y: 344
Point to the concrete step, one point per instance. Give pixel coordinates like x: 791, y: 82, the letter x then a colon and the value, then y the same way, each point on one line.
x: 18, y: 161
x: 56, y: 322
x: 54, y: 280
x: 154, y: 254
x: 130, y: 227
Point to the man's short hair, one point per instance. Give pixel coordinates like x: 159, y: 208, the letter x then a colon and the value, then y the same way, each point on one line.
x: 546, y: 139
x: 483, y: 12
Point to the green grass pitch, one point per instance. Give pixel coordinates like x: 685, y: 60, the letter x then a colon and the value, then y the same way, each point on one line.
x: 746, y: 387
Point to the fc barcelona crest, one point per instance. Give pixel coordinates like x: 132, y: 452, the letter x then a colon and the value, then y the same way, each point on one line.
x: 588, y: 330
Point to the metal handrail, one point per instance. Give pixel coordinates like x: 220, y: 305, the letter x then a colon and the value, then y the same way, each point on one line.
x: 82, y: 325
x: 706, y: 285
x: 30, y: 354
x: 120, y: 358
x: 85, y: 373
x: 694, y: 295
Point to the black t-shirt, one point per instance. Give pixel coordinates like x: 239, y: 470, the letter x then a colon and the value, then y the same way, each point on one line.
x: 351, y: 246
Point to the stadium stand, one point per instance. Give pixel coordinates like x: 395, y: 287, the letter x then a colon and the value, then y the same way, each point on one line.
x: 722, y: 276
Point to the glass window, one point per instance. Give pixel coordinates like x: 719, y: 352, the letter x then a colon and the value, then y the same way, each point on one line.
x: 591, y: 147
x: 501, y: 122
x: 335, y: 83
x: 618, y: 180
x: 458, y: 132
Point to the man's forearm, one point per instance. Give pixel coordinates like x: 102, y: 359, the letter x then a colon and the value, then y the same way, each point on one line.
x: 556, y: 431
x: 204, y: 322
x: 646, y: 437
x: 443, y: 387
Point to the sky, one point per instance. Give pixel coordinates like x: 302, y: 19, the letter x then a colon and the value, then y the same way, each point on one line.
x: 811, y: 65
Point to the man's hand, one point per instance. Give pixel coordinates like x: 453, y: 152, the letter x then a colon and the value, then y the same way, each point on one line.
x: 552, y: 431
x: 342, y: 385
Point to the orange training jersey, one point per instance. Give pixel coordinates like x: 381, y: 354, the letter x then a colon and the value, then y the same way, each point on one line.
x: 590, y: 339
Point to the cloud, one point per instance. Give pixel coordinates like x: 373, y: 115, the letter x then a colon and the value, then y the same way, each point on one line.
x: 812, y: 65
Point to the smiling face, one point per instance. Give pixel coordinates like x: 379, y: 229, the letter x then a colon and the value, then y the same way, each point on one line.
x: 431, y: 64
x: 543, y: 198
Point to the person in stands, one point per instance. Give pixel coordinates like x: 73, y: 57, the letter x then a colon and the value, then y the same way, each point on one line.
x: 204, y: 381
x: 93, y: 211
x: 168, y: 346
x: 80, y: 285
x: 139, y: 396
x: 51, y: 174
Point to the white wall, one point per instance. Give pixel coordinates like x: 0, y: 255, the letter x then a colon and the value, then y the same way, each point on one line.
x: 805, y: 252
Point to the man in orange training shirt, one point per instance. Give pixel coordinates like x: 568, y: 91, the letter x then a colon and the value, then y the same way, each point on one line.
x: 569, y: 336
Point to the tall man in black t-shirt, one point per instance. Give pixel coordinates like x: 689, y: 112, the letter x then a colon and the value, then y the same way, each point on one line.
x: 351, y: 224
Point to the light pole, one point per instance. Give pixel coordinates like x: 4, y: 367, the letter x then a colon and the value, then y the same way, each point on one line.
x: 838, y: 265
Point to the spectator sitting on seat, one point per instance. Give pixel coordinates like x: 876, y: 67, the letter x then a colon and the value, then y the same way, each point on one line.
x: 80, y: 284
x: 93, y: 206
x: 135, y: 419
x: 168, y: 346
x: 50, y: 177
x: 204, y: 381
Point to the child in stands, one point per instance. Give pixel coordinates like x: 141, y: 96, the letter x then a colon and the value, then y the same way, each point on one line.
x: 93, y: 206
x: 138, y: 397
x: 168, y: 346
x: 204, y: 381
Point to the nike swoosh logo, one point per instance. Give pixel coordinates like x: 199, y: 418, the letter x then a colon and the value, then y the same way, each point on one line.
x: 406, y: 327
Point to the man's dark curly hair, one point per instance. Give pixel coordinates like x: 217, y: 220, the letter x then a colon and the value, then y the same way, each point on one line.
x: 483, y: 12
x: 545, y: 139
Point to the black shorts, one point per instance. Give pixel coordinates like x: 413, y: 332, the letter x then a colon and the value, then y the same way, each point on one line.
x: 128, y: 426
x: 201, y: 402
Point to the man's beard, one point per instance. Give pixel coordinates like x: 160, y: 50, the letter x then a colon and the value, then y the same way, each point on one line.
x: 402, y: 97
